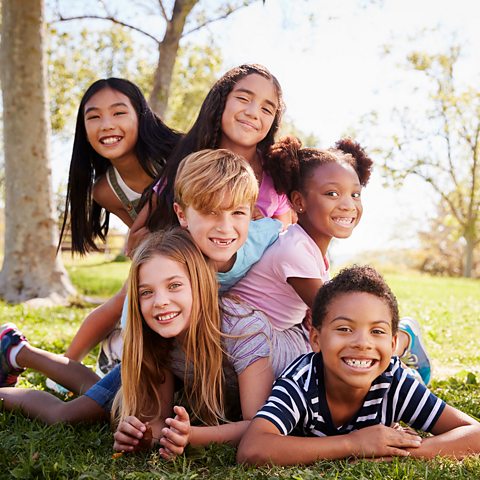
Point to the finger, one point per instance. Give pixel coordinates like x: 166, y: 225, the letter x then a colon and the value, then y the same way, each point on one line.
x: 135, y: 422
x: 166, y: 454
x: 174, y: 437
x: 178, y: 426
x: 397, y: 452
x: 129, y: 430
x: 123, y: 447
x: 171, y: 447
x: 124, y: 439
x: 181, y: 414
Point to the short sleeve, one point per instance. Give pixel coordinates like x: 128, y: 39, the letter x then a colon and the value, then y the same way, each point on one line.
x: 283, y: 205
x: 248, y: 335
x: 300, y: 259
x: 285, y: 407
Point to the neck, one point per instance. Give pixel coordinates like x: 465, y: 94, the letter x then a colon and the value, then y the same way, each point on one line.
x: 248, y: 153
x: 225, y: 266
x: 322, y: 241
x: 132, y: 173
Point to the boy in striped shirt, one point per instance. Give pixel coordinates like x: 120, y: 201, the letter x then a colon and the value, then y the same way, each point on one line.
x: 351, y: 388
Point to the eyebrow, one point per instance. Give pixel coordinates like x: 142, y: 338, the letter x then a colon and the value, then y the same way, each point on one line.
x: 169, y: 279
x: 342, y: 317
x: 245, y: 90
x: 113, y: 105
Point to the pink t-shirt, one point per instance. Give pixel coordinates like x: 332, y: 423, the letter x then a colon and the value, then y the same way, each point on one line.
x: 265, y: 286
x: 270, y: 202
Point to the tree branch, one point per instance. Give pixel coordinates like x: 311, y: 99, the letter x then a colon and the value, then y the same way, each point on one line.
x: 221, y: 17
x: 163, y: 11
x: 112, y: 19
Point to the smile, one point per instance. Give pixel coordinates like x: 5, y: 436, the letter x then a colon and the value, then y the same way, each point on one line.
x: 248, y: 125
x: 359, y: 362
x: 344, y: 221
x: 166, y: 317
x: 110, y: 140
x: 222, y: 242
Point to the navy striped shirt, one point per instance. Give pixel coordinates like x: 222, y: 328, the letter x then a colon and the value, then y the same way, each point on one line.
x: 298, y: 405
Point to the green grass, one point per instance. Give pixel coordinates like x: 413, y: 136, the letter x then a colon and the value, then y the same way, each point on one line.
x: 449, y: 311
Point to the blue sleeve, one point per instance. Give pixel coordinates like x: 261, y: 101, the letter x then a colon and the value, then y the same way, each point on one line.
x: 261, y: 234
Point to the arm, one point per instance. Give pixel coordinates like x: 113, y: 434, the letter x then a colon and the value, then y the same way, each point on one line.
x: 106, y: 198
x: 96, y: 326
x: 263, y: 443
x: 255, y: 383
x: 138, y: 230
x: 306, y: 288
x: 455, y: 434
x: 286, y: 218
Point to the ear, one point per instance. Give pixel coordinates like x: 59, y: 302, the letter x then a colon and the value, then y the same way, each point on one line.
x: 315, y: 339
x: 394, y: 342
x: 298, y: 202
x: 180, y: 212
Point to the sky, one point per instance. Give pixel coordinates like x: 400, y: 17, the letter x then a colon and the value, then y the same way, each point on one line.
x: 333, y: 71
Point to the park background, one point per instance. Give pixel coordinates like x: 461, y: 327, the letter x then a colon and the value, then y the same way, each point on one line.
x: 393, y: 74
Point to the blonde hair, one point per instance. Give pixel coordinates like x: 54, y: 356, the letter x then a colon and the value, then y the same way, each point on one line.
x: 207, y: 177
x: 145, y: 355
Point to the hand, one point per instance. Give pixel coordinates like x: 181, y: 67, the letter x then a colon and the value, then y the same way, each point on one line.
x: 134, y: 238
x: 176, y: 436
x: 131, y: 435
x: 257, y: 214
x: 382, y: 441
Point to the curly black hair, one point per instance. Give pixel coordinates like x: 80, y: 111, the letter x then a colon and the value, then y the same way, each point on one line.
x: 357, y: 278
x: 290, y: 165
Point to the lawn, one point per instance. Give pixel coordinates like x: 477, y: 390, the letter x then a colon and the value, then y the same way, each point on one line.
x: 449, y: 311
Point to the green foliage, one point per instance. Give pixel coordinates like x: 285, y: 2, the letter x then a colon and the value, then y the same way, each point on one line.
x: 196, y: 70
x: 448, y: 310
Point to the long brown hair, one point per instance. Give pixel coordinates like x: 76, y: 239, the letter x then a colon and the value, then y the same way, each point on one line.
x: 145, y: 355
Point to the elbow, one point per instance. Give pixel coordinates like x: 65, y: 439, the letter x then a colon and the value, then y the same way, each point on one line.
x: 249, y: 454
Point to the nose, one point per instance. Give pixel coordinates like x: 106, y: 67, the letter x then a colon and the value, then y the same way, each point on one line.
x: 107, y: 123
x: 224, y: 223
x: 252, y: 109
x: 361, y: 340
x: 348, y: 203
x: 161, y: 300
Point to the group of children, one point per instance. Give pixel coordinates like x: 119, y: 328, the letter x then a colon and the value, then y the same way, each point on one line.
x: 229, y: 291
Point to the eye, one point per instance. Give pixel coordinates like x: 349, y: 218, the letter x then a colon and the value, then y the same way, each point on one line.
x: 344, y: 329
x: 242, y: 98
x: 92, y: 117
x: 120, y: 113
x: 175, y: 285
x: 332, y: 194
x: 239, y: 212
x: 144, y: 293
x: 356, y: 195
x: 378, y: 331
x: 268, y: 111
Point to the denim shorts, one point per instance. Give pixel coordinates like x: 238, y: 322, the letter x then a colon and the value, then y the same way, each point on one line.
x: 104, y: 391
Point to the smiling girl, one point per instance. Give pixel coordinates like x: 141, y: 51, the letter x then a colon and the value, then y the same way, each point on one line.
x: 120, y: 146
x: 324, y: 187
x: 242, y: 113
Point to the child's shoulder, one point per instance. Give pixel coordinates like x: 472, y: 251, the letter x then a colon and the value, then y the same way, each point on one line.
x: 239, y: 318
x: 302, y: 367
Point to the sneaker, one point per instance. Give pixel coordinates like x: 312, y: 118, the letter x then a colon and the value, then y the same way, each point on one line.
x: 110, y: 353
x: 10, y: 336
x: 415, y: 355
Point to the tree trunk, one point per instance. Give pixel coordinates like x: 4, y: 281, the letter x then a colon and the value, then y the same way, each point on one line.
x: 468, y: 263
x: 167, y: 53
x: 31, y: 268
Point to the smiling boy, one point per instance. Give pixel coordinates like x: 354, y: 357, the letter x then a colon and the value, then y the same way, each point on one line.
x: 346, y: 401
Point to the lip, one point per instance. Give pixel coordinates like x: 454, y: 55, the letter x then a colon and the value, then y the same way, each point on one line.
x: 166, y: 317
x: 248, y: 125
x: 359, y: 364
x: 222, y: 242
x: 346, y: 222
x: 117, y: 139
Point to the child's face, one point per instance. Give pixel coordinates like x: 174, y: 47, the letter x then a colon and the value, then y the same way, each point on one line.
x: 218, y: 234
x: 165, y: 296
x: 249, y: 112
x: 331, y: 205
x: 111, y: 124
x: 355, y: 339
